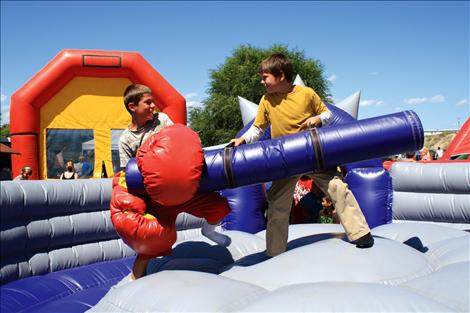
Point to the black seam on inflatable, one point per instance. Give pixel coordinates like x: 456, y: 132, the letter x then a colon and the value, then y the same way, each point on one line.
x: 23, y: 133
x: 228, y: 166
x: 317, y: 149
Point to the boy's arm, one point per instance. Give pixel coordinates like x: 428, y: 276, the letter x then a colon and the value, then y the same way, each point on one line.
x: 323, y: 116
x: 319, y: 120
x: 326, y: 117
x: 256, y: 130
x: 322, y: 110
x: 252, y: 134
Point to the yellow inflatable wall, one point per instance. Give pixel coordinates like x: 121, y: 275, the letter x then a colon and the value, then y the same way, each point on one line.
x: 86, y: 103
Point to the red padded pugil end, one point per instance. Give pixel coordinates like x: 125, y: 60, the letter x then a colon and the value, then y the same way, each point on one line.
x: 171, y: 163
x: 142, y: 231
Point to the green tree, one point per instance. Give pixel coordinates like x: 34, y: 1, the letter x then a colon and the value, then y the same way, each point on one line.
x: 220, y: 118
x: 5, y: 131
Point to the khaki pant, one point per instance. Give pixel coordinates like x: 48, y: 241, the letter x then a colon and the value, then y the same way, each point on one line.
x: 280, y: 202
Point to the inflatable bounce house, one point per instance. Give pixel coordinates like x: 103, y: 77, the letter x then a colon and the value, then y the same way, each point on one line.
x: 60, y: 251
x: 73, y: 107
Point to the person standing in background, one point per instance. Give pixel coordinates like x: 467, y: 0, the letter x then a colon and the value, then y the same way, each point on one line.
x: 79, y: 165
x: 439, y: 153
x: 26, y: 172
x: 424, y: 154
x: 69, y: 172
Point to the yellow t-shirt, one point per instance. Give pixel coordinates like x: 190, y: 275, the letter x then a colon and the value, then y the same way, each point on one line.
x: 287, y: 112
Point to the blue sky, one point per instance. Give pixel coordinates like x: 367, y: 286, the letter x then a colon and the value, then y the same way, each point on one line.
x: 401, y: 55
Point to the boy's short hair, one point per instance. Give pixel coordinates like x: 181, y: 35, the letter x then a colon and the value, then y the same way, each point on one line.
x: 134, y: 93
x: 277, y: 64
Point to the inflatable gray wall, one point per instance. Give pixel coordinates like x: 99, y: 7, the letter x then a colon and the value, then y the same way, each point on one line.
x: 50, y: 225
x: 432, y: 192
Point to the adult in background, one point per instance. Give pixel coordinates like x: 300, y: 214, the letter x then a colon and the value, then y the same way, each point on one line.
x: 69, y: 172
x: 409, y: 157
x: 87, y: 168
x: 26, y: 172
x: 79, y: 165
x: 424, y: 154
x: 439, y: 153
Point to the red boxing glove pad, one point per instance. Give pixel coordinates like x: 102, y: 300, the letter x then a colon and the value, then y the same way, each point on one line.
x: 122, y: 200
x: 171, y: 164
x: 142, y: 231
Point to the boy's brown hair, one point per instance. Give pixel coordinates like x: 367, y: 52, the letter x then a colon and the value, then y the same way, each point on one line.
x: 134, y: 93
x: 277, y: 64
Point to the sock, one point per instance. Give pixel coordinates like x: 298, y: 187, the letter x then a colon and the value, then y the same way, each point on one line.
x: 208, y: 230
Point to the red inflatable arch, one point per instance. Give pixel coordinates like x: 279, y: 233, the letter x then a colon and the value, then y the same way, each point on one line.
x: 26, y: 103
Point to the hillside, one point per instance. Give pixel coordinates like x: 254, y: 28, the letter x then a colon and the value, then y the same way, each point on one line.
x: 438, y: 140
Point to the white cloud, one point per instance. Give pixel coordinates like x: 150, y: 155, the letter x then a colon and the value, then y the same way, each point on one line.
x: 194, y: 104
x: 437, y: 99
x: 463, y: 102
x: 400, y: 109
x: 413, y: 101
x: 373, y: 73
x: 5, y: 114
x: 332, y: 78
x: 190, y: 96
x: 5, y: 110
x: 421, y: 100
x: 193, y: 101
x: 371, y: 102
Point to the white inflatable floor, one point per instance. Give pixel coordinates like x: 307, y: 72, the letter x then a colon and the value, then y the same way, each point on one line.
x: 411, y: 268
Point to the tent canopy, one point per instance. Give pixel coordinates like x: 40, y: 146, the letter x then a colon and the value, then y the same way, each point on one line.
x: 90, y: 144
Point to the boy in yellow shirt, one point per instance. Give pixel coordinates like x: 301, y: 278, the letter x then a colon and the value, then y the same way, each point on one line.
x: 291, y: 109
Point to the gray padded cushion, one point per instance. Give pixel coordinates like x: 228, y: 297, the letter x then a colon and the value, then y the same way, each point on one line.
x: 434, y: 192
x: 436, y: 285
x: 435, y: 207
x: 431, y: 177
x: 50, y: 225
x: 321, y: 273
x: 47, y: 198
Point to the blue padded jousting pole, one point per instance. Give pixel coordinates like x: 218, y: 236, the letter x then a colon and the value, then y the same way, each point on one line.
x: 311, y: 150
